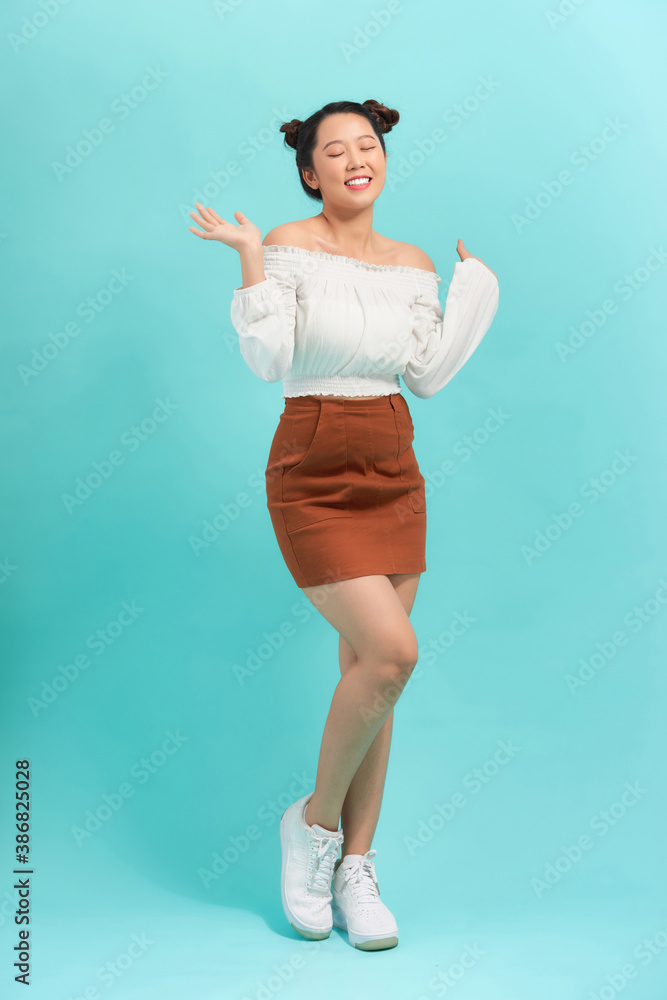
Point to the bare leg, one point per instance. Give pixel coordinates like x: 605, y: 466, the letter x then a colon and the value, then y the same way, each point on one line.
x: 371, y: 617
x: 361, y: 808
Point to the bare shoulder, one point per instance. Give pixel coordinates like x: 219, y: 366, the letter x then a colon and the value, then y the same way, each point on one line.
x: 411, y: 256
x: 303, y: 233
x: 288, y: 234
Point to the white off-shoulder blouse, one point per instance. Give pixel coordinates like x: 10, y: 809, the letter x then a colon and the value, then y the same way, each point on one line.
x: 339, y: 326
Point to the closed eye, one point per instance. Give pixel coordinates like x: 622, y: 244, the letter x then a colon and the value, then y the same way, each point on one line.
x: 331, y: 155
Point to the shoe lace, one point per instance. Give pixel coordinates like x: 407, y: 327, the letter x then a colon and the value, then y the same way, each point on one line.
x: 362, y: 880
x: 321, y: 860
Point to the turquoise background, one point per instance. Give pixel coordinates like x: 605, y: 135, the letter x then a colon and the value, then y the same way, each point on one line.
x: 153, y: 377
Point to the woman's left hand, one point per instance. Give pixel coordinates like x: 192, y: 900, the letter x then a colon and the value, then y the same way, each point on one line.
x: 463, y: 254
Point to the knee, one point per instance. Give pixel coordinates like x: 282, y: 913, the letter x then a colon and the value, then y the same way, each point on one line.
x: 398, y: 660
x: 405, y: 653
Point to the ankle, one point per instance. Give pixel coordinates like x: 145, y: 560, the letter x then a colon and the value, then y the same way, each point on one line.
x: 333, y: 827
x: 354, y: 849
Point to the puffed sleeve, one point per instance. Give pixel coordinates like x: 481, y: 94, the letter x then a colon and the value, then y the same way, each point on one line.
x: 264, y: 316
x: 441, y: 344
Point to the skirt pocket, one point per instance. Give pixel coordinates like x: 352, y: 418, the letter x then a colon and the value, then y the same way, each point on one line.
x: 311, y: 479
x: 407, y: 459
x: 300, y: 443
x: 292, y: 444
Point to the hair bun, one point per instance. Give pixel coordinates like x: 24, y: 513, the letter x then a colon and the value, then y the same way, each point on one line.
x: 385, y: 117
x: 291, y: 130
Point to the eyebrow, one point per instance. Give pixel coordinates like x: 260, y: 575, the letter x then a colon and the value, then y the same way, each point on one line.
x: 331, y: 141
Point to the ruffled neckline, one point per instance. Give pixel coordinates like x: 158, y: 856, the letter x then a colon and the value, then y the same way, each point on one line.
x: 361, y: 264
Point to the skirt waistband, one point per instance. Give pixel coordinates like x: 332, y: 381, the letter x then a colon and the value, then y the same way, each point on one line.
x: 316, y: 402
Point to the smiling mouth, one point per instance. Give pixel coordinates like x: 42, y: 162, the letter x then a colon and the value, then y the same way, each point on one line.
x: 358, y: 184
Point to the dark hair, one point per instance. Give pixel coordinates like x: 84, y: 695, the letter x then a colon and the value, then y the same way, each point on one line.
x: 302, y: 136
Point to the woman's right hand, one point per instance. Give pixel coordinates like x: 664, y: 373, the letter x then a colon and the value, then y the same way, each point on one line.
x: 240, y: 237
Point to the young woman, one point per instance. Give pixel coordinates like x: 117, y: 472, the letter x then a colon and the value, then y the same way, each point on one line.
x: 338, y: 313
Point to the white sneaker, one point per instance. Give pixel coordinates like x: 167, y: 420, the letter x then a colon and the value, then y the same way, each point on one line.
x: 357, y: 907
x: 308, y: 856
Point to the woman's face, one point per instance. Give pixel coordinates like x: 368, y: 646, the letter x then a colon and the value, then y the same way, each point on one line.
x: 347, y: 147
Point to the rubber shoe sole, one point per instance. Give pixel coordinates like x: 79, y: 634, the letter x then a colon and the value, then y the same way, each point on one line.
x: 364, y: 942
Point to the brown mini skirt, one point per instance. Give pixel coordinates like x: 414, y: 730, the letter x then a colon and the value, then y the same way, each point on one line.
x: 344, y: 490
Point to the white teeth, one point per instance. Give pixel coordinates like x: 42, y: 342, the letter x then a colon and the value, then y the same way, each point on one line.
x: 357, y: 181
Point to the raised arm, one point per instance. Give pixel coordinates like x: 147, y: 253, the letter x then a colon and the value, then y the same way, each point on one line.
x: 263, y: 307
x: 264, y: 316
x: 443, y: 342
